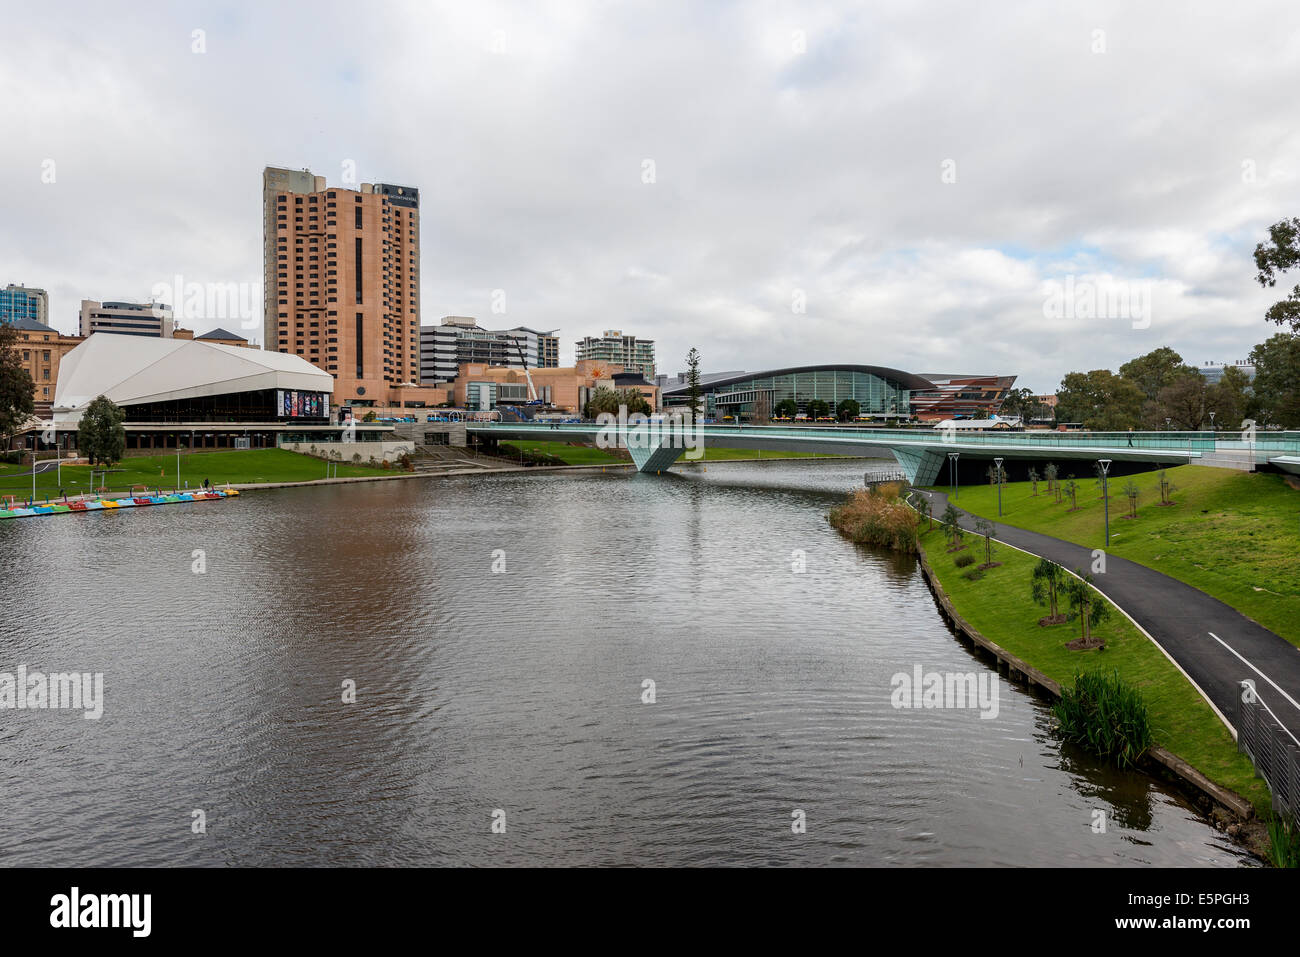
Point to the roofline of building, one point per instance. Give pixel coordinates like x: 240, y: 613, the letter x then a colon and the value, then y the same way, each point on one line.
x: 909, y: 380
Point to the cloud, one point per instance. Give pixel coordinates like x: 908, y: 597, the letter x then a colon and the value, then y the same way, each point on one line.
x: 796, y: 149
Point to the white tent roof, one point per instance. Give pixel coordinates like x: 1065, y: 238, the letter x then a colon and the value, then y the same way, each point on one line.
x: 134, y: 369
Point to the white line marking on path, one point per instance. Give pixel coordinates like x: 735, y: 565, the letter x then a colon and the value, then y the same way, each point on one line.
x: 1295, y: 704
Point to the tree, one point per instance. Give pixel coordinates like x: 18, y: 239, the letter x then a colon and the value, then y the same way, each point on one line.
x: 1021, y: 402
x: 924, y: 511
x: 818, y: 409
x: 1131, y: 492
x: 17, y: 391
x: 1167, y: 489
x: 1072, y: 490
x: 1099, y: 400
x: 1229, y: 398
x: 786, y: 409
x: 1034, y: 479
x: 1277, y: 379
x: 607, y: 400
x: 1050, y: 473
x: 1182, y: 402
x: 847, y: 410
x: 693, y: 380
x: 1088, y: 607
x: 1048, y: 580
x: 984, y: 528
x: 1157, y: 370
x: 952, y: 529
x: 1281, y: 253
x: 100, y: 435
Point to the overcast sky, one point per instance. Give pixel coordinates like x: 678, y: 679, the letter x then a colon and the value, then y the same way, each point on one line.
x: 887, y: 183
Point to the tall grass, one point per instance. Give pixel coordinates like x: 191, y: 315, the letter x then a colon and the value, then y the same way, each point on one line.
x: 1283, y: 843
x: 1105, y: 716
x: 879, y: 517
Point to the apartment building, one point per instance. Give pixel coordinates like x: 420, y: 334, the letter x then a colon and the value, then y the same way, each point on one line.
x: 633, y: 354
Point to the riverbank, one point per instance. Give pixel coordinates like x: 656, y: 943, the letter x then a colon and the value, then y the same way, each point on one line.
x: 1230, y: 534
x: 995, y: 612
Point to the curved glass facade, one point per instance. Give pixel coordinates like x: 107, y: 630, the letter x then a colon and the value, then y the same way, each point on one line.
x: 877, y: 396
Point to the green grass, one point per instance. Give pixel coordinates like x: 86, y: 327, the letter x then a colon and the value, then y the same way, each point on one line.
x: 565, y: 454
x: 256, y: 465
x: 999, y: 606
x: 1234, y: 535
x: 562, y: 453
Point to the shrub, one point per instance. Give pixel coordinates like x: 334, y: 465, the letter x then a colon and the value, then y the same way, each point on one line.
x: 966, y: 558
x: 1105, y: 716
x: 879, y: 517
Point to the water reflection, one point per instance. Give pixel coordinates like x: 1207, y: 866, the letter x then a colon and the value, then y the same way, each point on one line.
x: 521, y: 689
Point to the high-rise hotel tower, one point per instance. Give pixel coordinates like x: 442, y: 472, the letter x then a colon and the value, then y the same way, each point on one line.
x: 342, y: 281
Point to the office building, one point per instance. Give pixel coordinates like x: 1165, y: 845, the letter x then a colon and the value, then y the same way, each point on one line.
x: 343, y: 270
x: 1213, y: 371
x: 459, y: 340
x: 151, y: 319
x: 23, y: 302
x: 633, y: 354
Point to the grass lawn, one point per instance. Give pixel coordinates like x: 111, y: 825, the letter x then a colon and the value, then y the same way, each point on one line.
x: 256, y: 465
x: 566, y: 454
x: 1234, y: 535
x: 1000, y: 607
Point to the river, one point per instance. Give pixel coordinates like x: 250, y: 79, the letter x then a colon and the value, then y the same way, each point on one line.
x: 500, y: 631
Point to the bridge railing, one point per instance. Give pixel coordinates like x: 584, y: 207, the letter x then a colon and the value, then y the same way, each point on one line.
x: 1273, y: 443
x: 1271, y: 748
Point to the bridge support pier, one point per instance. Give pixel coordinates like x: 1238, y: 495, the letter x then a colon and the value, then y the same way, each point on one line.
x: 920, y: 465
x: 654, y: 457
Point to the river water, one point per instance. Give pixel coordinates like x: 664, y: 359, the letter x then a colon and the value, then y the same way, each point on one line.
x: 500, y: 631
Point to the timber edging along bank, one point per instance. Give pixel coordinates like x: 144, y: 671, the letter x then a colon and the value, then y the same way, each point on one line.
x: 1155, y: 757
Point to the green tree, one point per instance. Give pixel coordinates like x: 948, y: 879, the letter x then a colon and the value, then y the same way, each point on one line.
x: 1229, y: 398
x: 1277, y: 379
x: 1157, y: 370
x: 1021, y: 402
x: 100, y: 435
x: 1072, y: 490
x: 786, y: 409
x: 693, y: 380
x: 818, y: 409
x: 17, y: 391
x: 951, y: 524
x: 1280, y: 253
x: 1089, y: 607
x: 1034, y: 479
x: 1183, y: 402
x: 1045, y: 587
x: 847, y: 410
x: 1099, y: 400
x: 607, y: 400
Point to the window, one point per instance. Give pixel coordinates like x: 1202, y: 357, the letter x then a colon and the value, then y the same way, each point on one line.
x: 359, y: 343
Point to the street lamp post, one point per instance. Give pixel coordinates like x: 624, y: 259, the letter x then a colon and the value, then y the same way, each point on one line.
x: 952, y: 475
x: 998, y: 463
x: 1105, y: 497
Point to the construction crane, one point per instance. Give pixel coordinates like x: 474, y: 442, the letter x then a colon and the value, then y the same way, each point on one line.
x: 532, y: 391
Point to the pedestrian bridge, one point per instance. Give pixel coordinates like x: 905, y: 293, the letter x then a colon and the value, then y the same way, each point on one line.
x: 922, y: 453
